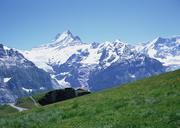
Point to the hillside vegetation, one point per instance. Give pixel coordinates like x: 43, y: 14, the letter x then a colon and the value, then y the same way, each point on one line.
x: 150, y: 103
x: 6, y: 110
x: 27, y: 102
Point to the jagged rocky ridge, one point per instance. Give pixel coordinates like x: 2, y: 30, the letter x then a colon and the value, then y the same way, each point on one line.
x: 98, y: 66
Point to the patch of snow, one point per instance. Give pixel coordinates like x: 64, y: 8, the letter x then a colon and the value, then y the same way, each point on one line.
x: 59, y: 83
x: 132, y: 75
x: 112, y: 58
x: 178, y: 41
x: 63, y: 83
x: 92, y: 58
x: 53, y: 76
x: 107, y: 64
x: 170, y: 60
x: 55, y: 83
x: 27, y: 90
x: 152, y: 52
x: 64, y: 73
x: 42, y: 88
x: 6, y: 48
x: 7, y: 79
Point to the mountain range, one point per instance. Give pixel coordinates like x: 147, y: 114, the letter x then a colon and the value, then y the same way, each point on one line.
x: 69, y: 62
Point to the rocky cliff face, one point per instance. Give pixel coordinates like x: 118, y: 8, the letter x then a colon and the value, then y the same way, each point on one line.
x: 19, y: 76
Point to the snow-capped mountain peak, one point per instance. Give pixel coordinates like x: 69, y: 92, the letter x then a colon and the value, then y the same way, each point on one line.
x: 64, y: 39
x: 118, y: 41
x: 64, y: 35
x: 166, y: 50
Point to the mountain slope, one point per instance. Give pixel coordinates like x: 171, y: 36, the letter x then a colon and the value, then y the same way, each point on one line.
x: 74, y: 63
x: 166, y: 50
x: 152, y: 102
x: 19, y: 76
x: 6, y: 110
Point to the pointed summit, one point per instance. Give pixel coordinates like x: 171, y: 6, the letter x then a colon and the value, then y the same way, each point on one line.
x: 65, y: 39
x: 118, y: 41
x: 158, y: 39
x: 64, y: 35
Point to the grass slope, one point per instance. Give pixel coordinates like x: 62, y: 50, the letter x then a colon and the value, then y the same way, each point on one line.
x: 6, y: 110
x: 150, y: 103
x: 26, y: 102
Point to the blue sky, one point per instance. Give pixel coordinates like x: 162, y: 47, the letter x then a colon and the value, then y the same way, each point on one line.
x: 28, y: 23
